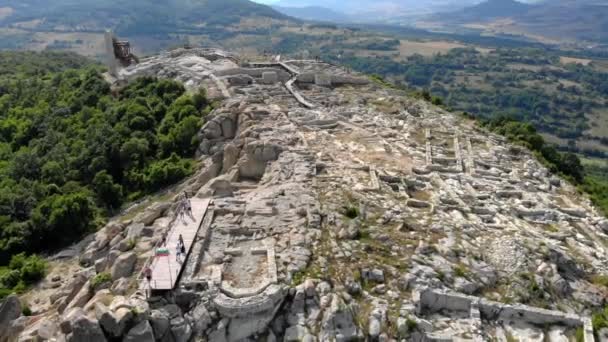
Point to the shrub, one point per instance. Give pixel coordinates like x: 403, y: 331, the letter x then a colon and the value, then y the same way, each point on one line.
x: 33, y: 270
x: 350, y: 211
x: 10, y: 279
x: 101, y: 278
x: 25, y: 310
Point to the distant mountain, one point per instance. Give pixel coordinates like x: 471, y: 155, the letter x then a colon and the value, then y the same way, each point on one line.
x: 131, y: 17
x: 557, y: 20
x: 576, y: 19
x: 488, y: 10
x: 379, y: 10
x: 315, y: 13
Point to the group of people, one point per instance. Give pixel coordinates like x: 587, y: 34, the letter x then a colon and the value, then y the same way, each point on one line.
x: 184, y: 206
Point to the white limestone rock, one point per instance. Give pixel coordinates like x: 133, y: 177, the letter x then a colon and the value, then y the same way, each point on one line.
x: 142, y: 332
x: 10, y: 310
x: 85, y: 329
x: 123, y: 266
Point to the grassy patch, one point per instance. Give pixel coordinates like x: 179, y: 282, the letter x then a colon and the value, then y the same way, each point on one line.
x: 22, y: 272
x: 350, y: 211
x: 601, y: 280
x: 101, y: 278
x: 600, y: 320
x: 461, y: 271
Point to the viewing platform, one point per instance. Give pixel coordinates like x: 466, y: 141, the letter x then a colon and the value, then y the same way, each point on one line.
x: 166, y: 269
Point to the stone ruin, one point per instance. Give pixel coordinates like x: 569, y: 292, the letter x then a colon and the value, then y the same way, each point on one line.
x: 478, y: 318
x: 118, y: 54
x: 339, y: 210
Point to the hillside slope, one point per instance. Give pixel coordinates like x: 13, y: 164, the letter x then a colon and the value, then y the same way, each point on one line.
x: 315, y: 13
x: 327, y: 206
x: 488, y: 10
x: 562, y: 20
x: 132, y: 17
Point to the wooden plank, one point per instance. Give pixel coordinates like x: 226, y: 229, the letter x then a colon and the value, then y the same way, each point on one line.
x: 166, y: 269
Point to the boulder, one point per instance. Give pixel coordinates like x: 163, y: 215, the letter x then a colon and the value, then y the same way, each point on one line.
x: 199, y: 319
x: 249, y: 168
x: 603, y: 225
x: 159, y: 320
x: 560, y: 285
x: 152, y: 213
x: 113, y: 323
x: 15, y: 327
x: 231, y: 156
x: 85, y: 329
x: 134, y: 230
x: 375, y: 275
x: 351, y: 232
x: 68, y: 318
x: 185, y: 299
x: 228, y: 127
x: 10, y: 310
x: 120, y: 286
x: 123, y: 266
x: 353, y: 287
x: 338, y: 319
x: 295, y: 333
x: 221, y: 187
x: 212, y: 130
x: 375, y: 327
x: 566, y: 266
x: 42, y: 330
x: 100, y: 265
x: 465, y: 286
x: 103, y: 296
x: 72, y: 290
x: 82, y: 297
x: 180, y: 329
x: 112, y: 256
x: 310, y: 288
x: 113, y: 229
x: 119, y: 302
x: 142, y: 332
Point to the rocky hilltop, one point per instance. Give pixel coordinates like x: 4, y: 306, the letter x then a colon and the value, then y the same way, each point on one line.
x: 327, y: 207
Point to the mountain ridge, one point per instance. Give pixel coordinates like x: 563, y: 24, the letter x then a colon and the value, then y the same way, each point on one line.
x: 315, y: 13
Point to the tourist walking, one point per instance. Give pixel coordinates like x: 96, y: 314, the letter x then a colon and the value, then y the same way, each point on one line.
x: 178, y: 252
x: 148, y: 275
x: 188, y: 205
x: 180, y: 210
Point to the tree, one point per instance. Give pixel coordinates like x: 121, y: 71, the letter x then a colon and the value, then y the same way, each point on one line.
x: 571, y: 165
x: 134, y: 151
x: 59, y: 218
x: 167, y: 171
x: 108, y: 192
x: 52, y: 172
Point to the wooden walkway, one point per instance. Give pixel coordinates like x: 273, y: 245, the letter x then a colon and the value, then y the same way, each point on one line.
x: 166, y: 269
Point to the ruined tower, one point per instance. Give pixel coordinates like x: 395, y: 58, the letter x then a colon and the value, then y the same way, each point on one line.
x: 118, y: 53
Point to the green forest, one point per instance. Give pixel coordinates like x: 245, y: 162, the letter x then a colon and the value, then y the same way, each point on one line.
x: 72, y: 151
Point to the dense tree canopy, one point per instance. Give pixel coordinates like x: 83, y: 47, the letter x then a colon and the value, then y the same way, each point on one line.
x: 72, y: 152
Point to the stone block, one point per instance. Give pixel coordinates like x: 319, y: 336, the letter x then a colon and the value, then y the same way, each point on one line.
x: 323, y: 80
x: 270, y: 77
